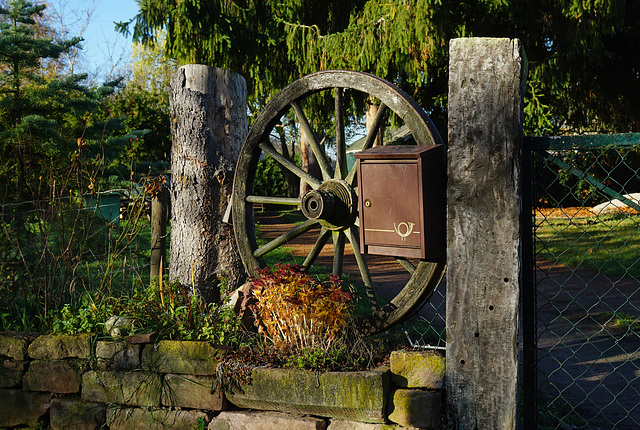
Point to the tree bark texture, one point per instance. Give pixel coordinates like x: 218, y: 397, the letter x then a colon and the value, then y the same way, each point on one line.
x: 370, y: 116
x: 208, y: 127
x: 486, y: 78
x: 309, y: 164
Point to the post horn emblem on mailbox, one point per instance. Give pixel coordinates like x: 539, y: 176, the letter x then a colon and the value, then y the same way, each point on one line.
x: 408, y: 229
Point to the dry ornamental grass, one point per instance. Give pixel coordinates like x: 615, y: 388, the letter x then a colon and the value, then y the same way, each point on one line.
x: 297, y: 312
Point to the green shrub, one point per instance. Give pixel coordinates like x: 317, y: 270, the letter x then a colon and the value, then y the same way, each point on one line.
x: 269, y: 180
x: 169, y: 310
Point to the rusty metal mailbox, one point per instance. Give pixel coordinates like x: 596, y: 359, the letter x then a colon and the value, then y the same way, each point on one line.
x: 402, y: 201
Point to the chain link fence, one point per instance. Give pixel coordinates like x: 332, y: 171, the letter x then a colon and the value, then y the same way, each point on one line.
x: 427, y: 329
x: 61, y: 251
x: 586, y: 242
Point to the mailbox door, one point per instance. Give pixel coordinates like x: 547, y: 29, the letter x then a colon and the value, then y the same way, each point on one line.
x: 391, y: 208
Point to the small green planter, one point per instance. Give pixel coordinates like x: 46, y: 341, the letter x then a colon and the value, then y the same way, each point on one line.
x: 106, y: 205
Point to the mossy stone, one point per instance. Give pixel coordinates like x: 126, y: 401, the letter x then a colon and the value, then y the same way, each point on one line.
x: 125, y: 388
x: 55, y: 376
x: 14, y: 344
x: 11, y: 372
x: 22, y: 408
x: 71, y: 412
x: 417, y: 369
x: 357, y: 396
x: 59, y: 346
x: 416, y: 408
x: 183, y: 357
x: 154, y: 419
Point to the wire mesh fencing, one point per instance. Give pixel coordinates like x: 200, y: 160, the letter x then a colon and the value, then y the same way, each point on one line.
x: 58, y: 252
x: 427, y: 329
x: 586, y: 240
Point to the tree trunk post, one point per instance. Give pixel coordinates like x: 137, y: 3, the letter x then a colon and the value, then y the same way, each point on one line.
x: 208, y: 111
x: 370, y: 117
x: 159, y: 217
x: 309, y: 164
x: 486, y: 79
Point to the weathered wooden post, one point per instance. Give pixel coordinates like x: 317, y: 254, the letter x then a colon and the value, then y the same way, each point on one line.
x: 486, y: 79
x: 159, y: 218
x: 208, y: 126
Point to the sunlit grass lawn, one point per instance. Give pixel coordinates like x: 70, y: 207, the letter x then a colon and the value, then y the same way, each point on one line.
x: 609, y: 244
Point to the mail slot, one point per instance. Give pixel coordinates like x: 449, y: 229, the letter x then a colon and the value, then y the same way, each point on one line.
x: 402, y: 201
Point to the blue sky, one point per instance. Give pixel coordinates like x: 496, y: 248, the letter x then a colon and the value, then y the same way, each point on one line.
x: 102, y: 42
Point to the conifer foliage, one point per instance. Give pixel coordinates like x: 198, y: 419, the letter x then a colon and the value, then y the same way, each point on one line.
x: 43, y: 118
x: 583, y: 62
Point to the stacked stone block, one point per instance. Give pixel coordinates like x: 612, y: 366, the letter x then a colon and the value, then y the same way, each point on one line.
x: 81, y: 382
x: 418, y: 378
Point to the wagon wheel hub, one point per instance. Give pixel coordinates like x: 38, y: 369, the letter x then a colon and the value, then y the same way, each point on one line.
x: 334, y: 204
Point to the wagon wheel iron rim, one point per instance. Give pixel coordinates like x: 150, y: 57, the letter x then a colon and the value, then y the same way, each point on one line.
x: 331, y: 205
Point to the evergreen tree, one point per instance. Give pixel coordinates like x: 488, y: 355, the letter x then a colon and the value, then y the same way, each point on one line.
x: 583, y: 62
x: 143, y: 117
x: 143, y: 104
x: 21, y: 55
x: 44, y: 119
x: 247, y: 37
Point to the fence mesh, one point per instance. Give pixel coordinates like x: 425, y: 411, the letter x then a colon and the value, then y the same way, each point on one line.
x: 57, y: 252
x: 587, y: 269
x: 427, y: 329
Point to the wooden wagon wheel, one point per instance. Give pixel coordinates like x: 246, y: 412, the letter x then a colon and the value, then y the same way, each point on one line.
x: 336, y: 184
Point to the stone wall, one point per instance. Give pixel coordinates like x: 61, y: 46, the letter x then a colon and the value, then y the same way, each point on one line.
x: 82, y: 382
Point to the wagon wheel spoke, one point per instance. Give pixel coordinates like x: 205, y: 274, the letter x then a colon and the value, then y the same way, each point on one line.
x: 341, y: 149
x: 323, y: 161
x: 338, y: 252
x: 309, y: 179
x: 269, y: 200
x: 371, y: 137
x: 352, y: 235
x: 321, y: 241
x: 406, y: 264
x: 286, y: 237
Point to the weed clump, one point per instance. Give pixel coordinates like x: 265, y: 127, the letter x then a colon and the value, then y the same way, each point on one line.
x: 306, y: 322
x: 297, y: 312
x: 173, y: 312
